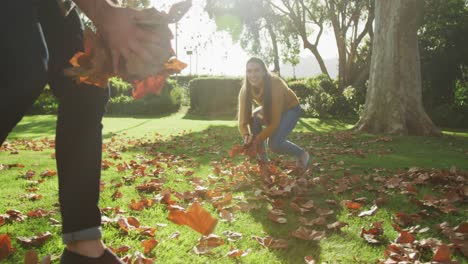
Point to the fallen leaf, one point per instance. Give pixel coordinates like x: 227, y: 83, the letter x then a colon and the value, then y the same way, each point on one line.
x: 37, y: 240
x: 232, y: 236
x: 370, y: 212
x: 442, y: 254
x: 270, y: 242
x: 5, y: 246
x: 149, y: 244
x: 235, y: 253
x: 207, y: 243
x: 405, y: 237
x: 308, y: 234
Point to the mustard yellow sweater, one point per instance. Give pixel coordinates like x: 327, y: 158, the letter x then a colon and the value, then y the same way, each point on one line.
x: 282, y: 99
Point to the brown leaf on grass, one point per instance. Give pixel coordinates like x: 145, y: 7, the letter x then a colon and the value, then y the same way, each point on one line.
x: 195, y: 217
x: 48, y: 173
x: 226, y: 216
x: 121, y: 249
x: 146, y: 231
x: 277, y: 216
x: 404, y: 219
x: 442, y: 254
x: 405, y: 238
x: 270, y: 242
x: 140, y: 205
x: 324, y: 212
x: 352, y: 205
x: 15, y: 215
x: 128, y: 224
x: 29, y: 174
x: 235, y: 253
x: 116, y: 195
x: 462, y: 228
x: 137, y: 258
x: 248, y: 150
x: 370, y: 212
x: 149, y: 244
x: 37, y: 240
x: 32, y: 196
x: 5, y: 246
x: 39, y: 213
x: 222, y: 201
x: 373, y: 235
x: 31, y: 257
x: 207, y: 243
x: 232, y: 236
x: 320, y: 221
x: 308, y: 234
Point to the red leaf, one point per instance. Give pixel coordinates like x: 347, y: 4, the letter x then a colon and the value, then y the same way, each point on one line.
x: 405, y: 237
x: 442, y: 254
x: 5, y: 246
x: 352, y: 205
x: 149, y: 244
x: 195, y: 217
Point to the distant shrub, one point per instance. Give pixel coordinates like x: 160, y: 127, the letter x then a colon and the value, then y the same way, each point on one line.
x: 46, y: 104
x: 214, y: 96
x: 168, y: 101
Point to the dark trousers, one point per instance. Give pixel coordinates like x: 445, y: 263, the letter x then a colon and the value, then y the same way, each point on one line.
x: 37, y: 43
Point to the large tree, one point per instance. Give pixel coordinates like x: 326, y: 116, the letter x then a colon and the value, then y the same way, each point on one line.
x: 261, y: 32
x: 351, y: 22
x: 394, y: 98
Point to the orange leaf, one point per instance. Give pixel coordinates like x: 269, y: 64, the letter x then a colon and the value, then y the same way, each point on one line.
x: 149, y: 244
x: 405, y: 237
x: 442, y: 254
x: 196, y: 218
x: 352, y: 205
x: 5, y: 246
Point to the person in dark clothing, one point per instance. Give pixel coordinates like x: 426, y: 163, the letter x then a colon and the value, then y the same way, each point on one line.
x: 38, y: 40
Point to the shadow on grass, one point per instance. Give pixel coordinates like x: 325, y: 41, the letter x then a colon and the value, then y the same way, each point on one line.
x: 224, y: 117
x: 41, y: 126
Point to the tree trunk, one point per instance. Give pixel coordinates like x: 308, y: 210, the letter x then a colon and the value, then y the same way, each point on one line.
x: 274, y: 42
x: 394, y: 98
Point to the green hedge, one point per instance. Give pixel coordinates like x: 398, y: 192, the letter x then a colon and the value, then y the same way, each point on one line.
x: 214, y: 96
x: 168, y: 101
x: 121, y: 102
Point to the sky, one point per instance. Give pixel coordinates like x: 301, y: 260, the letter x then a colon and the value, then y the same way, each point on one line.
x: 217, y: 54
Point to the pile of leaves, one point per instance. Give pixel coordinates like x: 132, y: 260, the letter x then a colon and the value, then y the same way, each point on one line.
x: 94, y: 65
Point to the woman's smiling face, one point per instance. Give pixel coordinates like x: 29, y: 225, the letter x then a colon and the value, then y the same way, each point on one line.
x: 255, y: 74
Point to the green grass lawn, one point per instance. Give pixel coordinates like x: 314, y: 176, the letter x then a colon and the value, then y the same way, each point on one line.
x: 193, y: 152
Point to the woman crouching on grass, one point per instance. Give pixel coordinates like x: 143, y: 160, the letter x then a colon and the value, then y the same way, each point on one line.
x: 278, y: 111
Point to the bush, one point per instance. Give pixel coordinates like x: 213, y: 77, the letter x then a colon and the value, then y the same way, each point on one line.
x: 449, y: 116
x: 299, y: 87
x: 214, y: 96
x: 119, y: 87
x: 167, y: 102
x: 317, y: 102
x: 46, y: 104
x: 122, y: 103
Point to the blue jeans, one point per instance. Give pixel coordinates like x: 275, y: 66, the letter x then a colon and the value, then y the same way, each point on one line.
x: 37, y: 45
x: 277, y: 141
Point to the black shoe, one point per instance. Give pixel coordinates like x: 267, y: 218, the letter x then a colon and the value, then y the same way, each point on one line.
x: 108, y: 257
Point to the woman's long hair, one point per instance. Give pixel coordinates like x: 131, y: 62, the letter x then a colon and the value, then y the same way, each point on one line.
x: 267, y: 104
